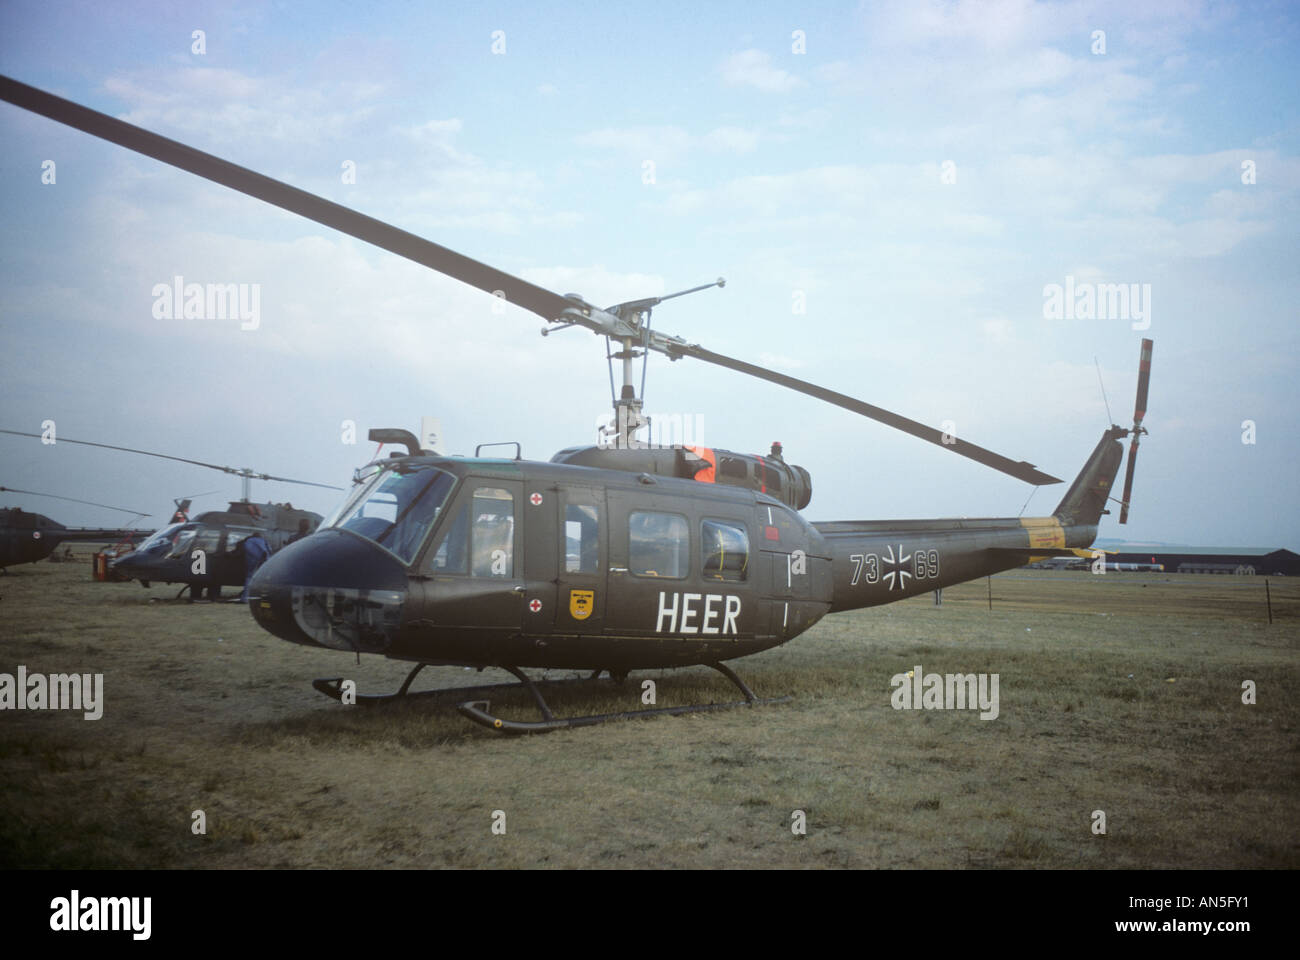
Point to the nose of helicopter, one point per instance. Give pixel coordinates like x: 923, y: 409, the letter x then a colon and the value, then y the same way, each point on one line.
x: 125, y: 564
x: 332, y: 589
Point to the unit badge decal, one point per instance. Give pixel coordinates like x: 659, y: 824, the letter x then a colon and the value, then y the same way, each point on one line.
x: 581, y: 603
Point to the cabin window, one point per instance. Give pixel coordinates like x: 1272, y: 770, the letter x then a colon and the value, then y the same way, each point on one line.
x: 725, y: 550
x: 180, y: 546
x: 163, y: 540
x: 492, y: 535
x: 197, y: 537
x: 658, y: 545
x: 581, y: 538
x: 734, y: 469
x: 452, y: 555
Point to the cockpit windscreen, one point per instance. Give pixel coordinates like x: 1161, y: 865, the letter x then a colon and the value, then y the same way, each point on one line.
x: 397, y: 507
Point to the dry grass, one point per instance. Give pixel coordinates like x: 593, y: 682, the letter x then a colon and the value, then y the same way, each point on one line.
x: 205, y: 711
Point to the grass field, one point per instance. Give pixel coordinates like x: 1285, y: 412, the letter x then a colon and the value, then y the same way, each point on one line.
x: 1120, y: 693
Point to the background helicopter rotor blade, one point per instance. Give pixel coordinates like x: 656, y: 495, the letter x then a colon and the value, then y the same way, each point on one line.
x: 1020, y: 470
x: 194, y: 496
x: 540, y: 301
x: 1139, y: 413
x: 54, y: 496
x: 167, y: 456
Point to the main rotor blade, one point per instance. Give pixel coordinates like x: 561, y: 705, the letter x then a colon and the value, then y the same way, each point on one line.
x: 546, y: 304
x: 539, y: 300
x: 1020, y: 470
x: 55, y: 496
x: 167, y: 456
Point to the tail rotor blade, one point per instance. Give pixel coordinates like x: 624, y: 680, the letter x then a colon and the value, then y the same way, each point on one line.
x: 1139, y: 413
x: 1144, y: 383
x: 1128, y: 480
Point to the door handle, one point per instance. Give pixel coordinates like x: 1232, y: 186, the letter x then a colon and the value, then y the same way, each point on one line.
x: 519, y: 590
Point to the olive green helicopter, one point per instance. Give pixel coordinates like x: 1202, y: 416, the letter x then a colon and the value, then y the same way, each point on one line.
x: 612, y: 557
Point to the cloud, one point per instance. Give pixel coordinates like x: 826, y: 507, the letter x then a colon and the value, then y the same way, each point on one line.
x: 597, y: 284
x: 647, y: 142
x: 416, y: 174
x: 753, y: 68
x: 998, y: 329
x: 217, y: 106
x: 146, y: 89
x: 665, y: 144
x: 438, y: 135
x: 1017, y: 75
x: 779, y: 361
x: 731, y: 140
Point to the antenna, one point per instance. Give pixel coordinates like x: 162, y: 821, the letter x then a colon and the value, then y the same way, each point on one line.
x: 1109, y: 418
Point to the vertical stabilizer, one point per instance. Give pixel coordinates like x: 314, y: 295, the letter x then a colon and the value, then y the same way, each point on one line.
x: 1085, y: 501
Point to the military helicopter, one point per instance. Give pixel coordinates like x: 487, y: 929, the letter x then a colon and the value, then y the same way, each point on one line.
x: 203, y: 554
x: 609, y: 558
x: 27, y: 537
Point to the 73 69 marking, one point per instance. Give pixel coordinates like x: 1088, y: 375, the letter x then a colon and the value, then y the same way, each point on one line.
x: 919, y: 565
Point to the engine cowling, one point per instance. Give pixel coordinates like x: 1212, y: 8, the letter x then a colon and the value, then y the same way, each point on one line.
x: 787, y: 482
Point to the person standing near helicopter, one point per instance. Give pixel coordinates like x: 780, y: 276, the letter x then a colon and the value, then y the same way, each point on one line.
x: 255, y: 550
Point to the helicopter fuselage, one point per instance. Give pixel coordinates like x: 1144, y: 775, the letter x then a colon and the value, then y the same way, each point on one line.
x: 550, y: 564
x: 203, y: 552
x: 27, y: 537
x: 533, y: 564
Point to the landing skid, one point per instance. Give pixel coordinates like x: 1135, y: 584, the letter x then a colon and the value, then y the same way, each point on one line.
x: 479, y: 710
x: 333, y: 687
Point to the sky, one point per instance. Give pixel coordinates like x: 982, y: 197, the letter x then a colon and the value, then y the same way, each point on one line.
x: 892, y: 191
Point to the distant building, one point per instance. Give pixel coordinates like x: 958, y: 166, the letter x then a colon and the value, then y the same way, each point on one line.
x: 1240, y: 561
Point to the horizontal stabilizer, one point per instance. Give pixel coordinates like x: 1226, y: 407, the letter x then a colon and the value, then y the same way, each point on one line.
x: 1087, y: 553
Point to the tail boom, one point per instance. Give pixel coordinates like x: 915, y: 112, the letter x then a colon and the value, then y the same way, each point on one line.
x: 880, y: 561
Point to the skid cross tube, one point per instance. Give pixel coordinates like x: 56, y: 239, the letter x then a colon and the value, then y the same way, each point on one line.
x: 478, y: 710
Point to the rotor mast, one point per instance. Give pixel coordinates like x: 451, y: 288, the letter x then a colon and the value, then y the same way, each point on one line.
x: 629, y: 416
